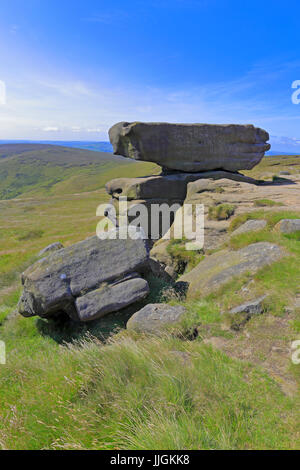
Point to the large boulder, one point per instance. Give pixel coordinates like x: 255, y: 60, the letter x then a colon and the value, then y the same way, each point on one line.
x: 54, y: 283
x: 154, y: 318
x: 111, y: 297
x: 191, y: 147
x: 223, y: 266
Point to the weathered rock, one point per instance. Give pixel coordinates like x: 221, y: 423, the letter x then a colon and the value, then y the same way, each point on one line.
x: 254, y: 307
x: 159, y: 253
x: 53, y: 283
x: 51, y: 248
x: 221, y: 267
x: 250, y: 226
x: 155, y: 317
x: 111, y: 298
x: 208, y: 188
x: 167, y: 187
x: 288, y: 226
x: 191, y: 147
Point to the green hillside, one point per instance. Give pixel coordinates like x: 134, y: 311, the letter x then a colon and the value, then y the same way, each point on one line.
x: 43, y: 170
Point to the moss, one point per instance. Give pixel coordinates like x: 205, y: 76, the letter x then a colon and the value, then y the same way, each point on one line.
x: 266, y: 203
x: 219, y: 190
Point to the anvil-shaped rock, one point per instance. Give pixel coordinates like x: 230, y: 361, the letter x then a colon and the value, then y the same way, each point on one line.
x: 191, y: 147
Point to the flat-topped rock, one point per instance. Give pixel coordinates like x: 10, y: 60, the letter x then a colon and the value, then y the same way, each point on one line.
x: 191, y: 147
x: 172, y: 186
x: 250, y: 226
x: 154, y: 318
x: 222, y: 267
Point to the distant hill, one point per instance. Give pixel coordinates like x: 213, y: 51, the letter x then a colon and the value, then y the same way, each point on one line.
x: 94, y: 146
x: 273, y: 153
x: 39, y: 169
x: 107, y: 147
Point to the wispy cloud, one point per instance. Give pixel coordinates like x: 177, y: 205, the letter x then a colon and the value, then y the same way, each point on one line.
x: 39, y: 105
x: 68, y: 88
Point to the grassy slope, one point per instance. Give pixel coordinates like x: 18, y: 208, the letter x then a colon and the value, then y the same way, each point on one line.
x: 138, y: 392
x: 39, y: 170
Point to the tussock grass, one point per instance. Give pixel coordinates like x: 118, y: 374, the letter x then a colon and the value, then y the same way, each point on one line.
x: 185, y: 259
x: 138, y: 393
x: 221, y: 211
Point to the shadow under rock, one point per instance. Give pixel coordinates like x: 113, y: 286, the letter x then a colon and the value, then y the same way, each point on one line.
x: 64, y: 330
x: 277, y: 181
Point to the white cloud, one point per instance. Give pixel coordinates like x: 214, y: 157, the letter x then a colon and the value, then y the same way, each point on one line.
x: 97, y: 129
x: 50, y: 129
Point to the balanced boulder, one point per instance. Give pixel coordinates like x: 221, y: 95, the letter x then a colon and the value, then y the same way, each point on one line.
x: 191, y: 147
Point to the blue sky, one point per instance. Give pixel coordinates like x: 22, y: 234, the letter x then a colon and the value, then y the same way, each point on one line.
x: 72, y: 69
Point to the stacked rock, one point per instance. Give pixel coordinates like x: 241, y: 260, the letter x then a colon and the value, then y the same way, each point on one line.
x: 199, y: 163
x: 187, y: 153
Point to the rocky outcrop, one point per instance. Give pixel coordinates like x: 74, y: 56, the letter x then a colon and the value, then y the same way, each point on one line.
x: 155, y: 318
x: 208, y: 188
x: 250, y: 226
x: 223, y: 266
x: 76, y: 278
x: 172, y: 186
x: 288, y: 226
x: 191, y: 147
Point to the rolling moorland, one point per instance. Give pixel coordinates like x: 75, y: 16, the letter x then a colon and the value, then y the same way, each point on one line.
x: 98, y: 386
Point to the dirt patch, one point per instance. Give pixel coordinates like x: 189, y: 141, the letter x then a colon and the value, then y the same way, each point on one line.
x: 265, y: 342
